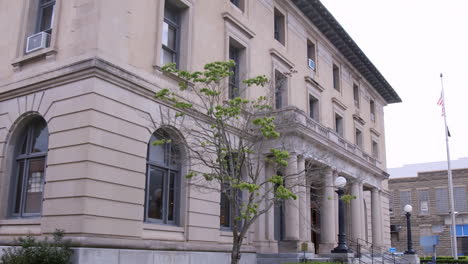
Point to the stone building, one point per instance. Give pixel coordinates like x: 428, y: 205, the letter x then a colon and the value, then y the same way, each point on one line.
x: 77, y: 80
x: 428, y: 195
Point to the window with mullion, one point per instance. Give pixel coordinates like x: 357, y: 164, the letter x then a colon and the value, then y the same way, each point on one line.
x: 28, y: 183
x: 162, y: 183
x: 170, y: 35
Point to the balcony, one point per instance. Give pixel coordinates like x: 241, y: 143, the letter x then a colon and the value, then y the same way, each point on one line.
x: 294, y: 118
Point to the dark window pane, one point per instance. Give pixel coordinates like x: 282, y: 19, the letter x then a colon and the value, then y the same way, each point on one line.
x: 234, y: 78
x: 24, y: 144
x: 174, y: 156
x: 40, y: 138
x: 156, y: 153
x: 156, y: 194
x: 235, y: 2
x: 19, y: 186
x: 35, y: 186
x: 225, y: 214
x: 46, y: 18
x: 171, y: 199
x: 45, y: 2
x: 280, y: 83
x: 171, y: 13
x: 336, y: 77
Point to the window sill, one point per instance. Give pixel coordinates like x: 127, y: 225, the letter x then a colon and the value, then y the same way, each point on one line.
x: 47, y: 52
x: 225, y: 232
x: 21, y: 221
x: 160, y: 227
x: 172, y: 75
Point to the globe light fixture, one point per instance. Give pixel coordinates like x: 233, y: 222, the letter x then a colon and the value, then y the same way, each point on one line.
x: 340, y: 182
x: 408, y: 208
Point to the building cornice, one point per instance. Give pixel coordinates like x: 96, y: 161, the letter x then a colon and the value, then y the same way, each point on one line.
x: 335, y: 33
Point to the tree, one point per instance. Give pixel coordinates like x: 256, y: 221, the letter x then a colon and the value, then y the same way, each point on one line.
x: 228, y: 143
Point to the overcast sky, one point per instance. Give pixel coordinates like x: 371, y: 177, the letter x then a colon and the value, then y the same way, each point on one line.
x: 411, y: 42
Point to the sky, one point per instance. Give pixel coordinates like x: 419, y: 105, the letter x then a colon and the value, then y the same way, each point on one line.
x: 411, y: 42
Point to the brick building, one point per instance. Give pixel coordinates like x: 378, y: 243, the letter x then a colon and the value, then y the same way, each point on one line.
x: 428, y: 194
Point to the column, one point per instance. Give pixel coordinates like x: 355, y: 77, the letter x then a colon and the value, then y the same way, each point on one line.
x: 269, y: 216
x: 376, y: 217
x: 260, y: 223
x: 328, y: 235
x: 304, y: 222
x: 291, y: 216
x: 363, y: 213
x: 356, y: 212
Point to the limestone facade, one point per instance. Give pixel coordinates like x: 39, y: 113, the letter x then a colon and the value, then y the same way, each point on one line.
x: 93, y: 85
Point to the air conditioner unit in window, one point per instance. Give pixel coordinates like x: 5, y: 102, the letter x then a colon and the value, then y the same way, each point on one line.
x: 37, y: 41
x: 311, y: 63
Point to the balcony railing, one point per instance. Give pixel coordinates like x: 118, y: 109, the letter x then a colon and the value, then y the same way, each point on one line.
x: 291, y: 116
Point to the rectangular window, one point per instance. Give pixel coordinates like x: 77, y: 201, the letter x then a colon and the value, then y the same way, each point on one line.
x: 372, y: 110
x: 339, y: 124
x: 170, y: 34
x: 45, y: 17
x: 356, y: 95
x: 375, y: 149
x: 279, y: 26
x: 358, y: 138
x: 39, y: 33
x: 311, y: 55
x: 280, y: 90
x: 423, y: 201
x: 336, y: 77
x: 405, y: 198
x: 234, y: 81
x: 313, y: 108
x: 441, y: 200
x: 459, y: 195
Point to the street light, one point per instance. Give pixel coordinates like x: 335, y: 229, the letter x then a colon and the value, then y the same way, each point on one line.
x: 408, y: 209
x: 340, y: 183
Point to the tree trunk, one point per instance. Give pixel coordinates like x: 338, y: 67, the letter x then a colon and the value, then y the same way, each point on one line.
x: 235, y: 254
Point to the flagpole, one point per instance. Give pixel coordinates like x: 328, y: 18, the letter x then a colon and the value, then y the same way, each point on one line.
x: 450, y: 181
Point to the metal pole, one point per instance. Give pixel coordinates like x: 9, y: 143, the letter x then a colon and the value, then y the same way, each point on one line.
x: 408, y: 234
x: 450, y: 181
x: 342, y: 247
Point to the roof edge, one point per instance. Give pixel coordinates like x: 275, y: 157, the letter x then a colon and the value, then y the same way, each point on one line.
x: 319, y: 15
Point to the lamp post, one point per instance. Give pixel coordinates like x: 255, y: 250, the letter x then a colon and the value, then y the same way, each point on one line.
x: 408, y: 208
x: 340, y: 183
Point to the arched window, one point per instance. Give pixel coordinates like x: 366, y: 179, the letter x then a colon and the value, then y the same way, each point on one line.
x: 162, y: 180
x: 29, y: 169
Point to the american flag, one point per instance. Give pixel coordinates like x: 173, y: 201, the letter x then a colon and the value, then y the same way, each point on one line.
x: 441, y: 103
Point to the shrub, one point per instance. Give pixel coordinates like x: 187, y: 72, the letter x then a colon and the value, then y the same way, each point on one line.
x: 33, y: 251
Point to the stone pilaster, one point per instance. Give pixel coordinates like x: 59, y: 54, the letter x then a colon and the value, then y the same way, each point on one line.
x: 356, y: 212
x: 377, y: 229
x: 328, y: 215
x: 291, y: 216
